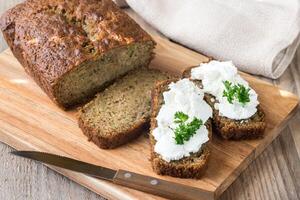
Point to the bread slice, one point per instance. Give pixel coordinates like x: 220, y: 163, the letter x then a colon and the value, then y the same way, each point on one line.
x: 73, y: 49
x: 120, y: 113
x: 234, y: 129
x: 188, y: 167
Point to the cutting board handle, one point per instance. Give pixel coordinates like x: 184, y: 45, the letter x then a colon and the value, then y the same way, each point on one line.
x: 160, y: 187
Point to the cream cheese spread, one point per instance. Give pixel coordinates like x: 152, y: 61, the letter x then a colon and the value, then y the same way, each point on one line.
x: 213, y: 75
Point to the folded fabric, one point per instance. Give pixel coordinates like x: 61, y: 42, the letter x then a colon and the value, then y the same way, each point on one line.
x: 259, y: 36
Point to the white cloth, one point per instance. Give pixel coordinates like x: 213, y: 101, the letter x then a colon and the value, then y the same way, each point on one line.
x: 259, y: 36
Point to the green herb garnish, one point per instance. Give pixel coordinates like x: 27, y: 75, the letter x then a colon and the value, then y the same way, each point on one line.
x: 238, y: 91
x: 180, y: 117
x: 185, y: 130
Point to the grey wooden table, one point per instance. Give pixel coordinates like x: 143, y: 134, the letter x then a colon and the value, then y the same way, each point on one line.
x: 275, y: 174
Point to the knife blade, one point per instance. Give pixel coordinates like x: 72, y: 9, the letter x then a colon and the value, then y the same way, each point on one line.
x: 69, y: 163
x: 125, y: 178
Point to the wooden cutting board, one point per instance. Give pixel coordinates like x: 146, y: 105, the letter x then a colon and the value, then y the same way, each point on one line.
x: 30, y: 121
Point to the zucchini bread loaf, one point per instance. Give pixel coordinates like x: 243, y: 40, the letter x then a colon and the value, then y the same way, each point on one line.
x: 74, y: 48
x: 119, y: 113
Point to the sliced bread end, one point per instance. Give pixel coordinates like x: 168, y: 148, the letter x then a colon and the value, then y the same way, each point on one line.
x: 121, y: 112
x: 189, y: 167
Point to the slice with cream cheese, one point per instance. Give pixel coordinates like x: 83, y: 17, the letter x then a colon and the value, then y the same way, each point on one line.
x: 183, y: 96
x: 213, y: 75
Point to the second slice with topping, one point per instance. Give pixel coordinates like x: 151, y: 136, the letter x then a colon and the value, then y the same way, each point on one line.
x: 237, y: 113
x: 180, y: 129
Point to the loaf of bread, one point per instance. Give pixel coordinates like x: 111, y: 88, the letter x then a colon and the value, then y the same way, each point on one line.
x: 192, y: 166
x: 121, y: 112
x: 74, y: 48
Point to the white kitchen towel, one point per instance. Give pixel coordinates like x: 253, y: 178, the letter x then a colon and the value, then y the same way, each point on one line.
x: 259, y: 36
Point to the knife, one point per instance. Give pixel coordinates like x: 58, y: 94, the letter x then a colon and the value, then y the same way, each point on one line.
x: 125, y: 178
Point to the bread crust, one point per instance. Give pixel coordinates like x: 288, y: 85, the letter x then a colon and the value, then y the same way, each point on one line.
x: 50, y: 38
x: 113, y: 140
x: 251, y: 128
x: 189, y: 167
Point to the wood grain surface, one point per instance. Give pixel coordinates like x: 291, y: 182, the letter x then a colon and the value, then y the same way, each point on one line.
x: 273, y: 175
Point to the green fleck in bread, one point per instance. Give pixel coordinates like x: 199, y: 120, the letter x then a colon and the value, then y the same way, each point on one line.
x: 251, y: 128
x: 75, y: 48
x: 119, y: 113
x: 193, y: 166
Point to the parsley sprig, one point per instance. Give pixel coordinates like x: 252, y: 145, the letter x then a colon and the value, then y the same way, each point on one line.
x: 185, y: 130
x: 237, y: 91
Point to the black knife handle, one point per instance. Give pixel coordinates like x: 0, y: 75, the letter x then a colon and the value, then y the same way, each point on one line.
x: 160, y: 187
